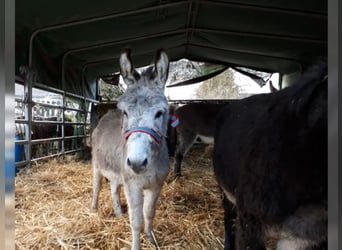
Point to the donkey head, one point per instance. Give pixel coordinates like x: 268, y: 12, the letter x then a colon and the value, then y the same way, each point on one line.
x: 145, y: 112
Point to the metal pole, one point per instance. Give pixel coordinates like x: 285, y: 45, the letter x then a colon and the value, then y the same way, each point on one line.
x: 84, y: 140
x: 28, y: 76
x: 96, y: 19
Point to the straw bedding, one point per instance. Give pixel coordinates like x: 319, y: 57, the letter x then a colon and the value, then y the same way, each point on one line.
x: 53, y: 209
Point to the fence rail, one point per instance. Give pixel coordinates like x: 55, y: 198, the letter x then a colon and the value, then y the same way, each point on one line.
x: 56, y: 127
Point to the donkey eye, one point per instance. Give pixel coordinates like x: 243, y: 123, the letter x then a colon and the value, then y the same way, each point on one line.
x: 125, y: 113
x: 159, y: 114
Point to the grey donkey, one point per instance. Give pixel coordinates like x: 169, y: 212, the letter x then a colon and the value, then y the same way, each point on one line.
x: 129, y: 146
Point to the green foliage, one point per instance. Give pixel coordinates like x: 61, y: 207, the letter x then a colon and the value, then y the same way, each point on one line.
x: 219, y: 87
x: 110, y: 92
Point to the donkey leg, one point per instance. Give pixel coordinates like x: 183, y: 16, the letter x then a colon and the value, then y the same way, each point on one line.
x: 96, y: 188
x: 179, y: 159
x: 248, y: 234
x: 229, y: 224
x: 135, y: 206
x: 306, y: 229
x: 186, y: 139
x: 150, y: 204
x: 115, y: 189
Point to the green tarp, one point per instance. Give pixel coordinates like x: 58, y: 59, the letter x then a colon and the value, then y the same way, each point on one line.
x: 79, y: 41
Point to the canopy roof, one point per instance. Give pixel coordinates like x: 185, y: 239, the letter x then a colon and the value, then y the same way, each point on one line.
x: 79, y: 41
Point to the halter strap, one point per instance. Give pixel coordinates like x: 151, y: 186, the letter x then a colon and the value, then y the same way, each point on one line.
x: 174, y: 121
x: 156, y: 136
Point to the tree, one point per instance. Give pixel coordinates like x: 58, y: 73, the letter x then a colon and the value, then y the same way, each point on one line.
x: 221, y: 86
x: 183, y: 70
x: 110, y: 92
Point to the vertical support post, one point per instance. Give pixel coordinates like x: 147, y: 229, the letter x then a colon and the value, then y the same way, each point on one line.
x: 84, y: 139
x: 63, y: 120
x: 64, y: 102
x: 28, y: 84
x: 280, y: 81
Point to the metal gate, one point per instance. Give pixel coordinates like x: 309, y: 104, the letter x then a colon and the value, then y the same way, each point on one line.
x: 53, y: 124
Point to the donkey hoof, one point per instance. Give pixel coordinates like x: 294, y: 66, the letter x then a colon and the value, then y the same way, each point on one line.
x: 93, y: 209
x: 118, y: 214
x: 177, y: 176
x: 151, y: 240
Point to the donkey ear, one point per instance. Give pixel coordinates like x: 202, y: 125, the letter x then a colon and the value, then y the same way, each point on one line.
x: 162, y: 66
x: 128, y: 72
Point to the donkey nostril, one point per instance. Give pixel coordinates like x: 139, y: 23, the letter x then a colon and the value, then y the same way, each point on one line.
x: 137, y: 165
x: 129, y: 162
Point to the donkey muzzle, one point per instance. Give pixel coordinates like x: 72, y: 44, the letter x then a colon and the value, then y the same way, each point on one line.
x: 138, y: 166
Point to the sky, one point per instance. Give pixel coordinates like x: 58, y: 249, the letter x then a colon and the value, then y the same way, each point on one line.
x: 247, y: 86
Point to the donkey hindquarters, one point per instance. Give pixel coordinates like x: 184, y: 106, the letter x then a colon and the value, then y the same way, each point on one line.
x: 196, y: 120
x: 129, y: 147
x: 270, y: 160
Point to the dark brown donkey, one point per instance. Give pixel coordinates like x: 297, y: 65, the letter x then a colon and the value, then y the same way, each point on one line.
x: 196, y: 121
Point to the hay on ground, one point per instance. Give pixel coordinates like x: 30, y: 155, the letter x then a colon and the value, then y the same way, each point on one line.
x: 53, y: 209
